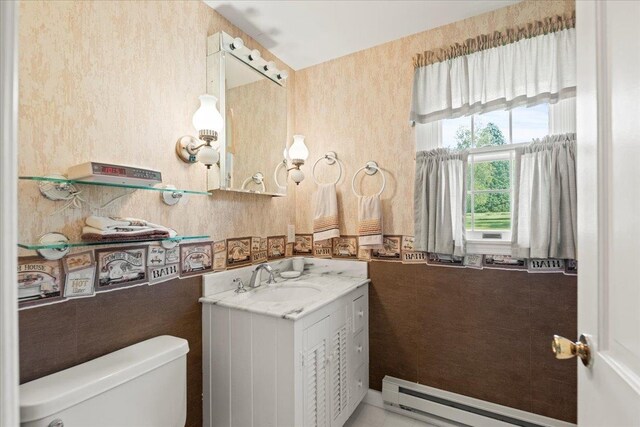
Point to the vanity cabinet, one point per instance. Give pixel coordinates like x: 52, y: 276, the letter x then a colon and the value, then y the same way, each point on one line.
x: 261, y: 370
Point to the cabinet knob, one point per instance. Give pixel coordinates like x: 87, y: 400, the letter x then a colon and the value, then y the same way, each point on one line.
x: 360, y: 384
x: 361, y: 313
x: 359, y: 349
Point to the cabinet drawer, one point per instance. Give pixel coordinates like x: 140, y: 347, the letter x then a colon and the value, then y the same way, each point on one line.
x: 359, y: 313
x: 359, y: 386
x: 358, y: 350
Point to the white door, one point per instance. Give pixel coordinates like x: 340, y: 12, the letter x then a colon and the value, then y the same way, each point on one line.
x: 608, y: 126
x: 9, y: 375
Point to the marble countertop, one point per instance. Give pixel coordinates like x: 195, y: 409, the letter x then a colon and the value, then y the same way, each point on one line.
x: 330, y: 284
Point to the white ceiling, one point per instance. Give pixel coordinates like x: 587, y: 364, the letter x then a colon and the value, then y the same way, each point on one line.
x: 304, y: 33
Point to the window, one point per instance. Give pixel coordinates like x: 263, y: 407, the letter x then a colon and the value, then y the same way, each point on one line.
x: 515, y: 126
x: 490, y: 177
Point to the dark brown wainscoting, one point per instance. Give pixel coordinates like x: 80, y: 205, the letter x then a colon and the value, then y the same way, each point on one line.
x: 58, y: 336
x: 481, y: 333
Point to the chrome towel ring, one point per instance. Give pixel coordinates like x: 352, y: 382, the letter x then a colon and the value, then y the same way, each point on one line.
x: 371, y: 168
x: 332, y: 158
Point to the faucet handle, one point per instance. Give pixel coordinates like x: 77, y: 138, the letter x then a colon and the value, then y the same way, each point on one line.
x: 240, y: 289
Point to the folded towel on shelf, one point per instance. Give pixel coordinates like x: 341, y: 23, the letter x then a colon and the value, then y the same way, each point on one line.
x: 370, y: 222
x: 325, y: 219
x: 105, y: 223
x: 115, y: 229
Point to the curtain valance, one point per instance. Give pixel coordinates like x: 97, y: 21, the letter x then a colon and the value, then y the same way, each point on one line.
x: 486, y: 74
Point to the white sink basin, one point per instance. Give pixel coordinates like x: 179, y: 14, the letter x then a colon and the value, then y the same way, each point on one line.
x: 285, y: 293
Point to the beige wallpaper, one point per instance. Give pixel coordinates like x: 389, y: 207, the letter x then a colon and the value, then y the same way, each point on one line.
x: 358, y: 105
x: 118, y: 81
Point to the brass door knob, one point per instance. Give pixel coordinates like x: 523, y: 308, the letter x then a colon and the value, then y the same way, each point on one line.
x: 566, y: 349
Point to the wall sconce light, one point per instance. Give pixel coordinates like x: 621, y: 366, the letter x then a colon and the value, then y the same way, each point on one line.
x: 297, y: 153
x: 208, y: 122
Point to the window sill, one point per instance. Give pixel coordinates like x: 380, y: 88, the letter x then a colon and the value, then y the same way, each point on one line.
x: 488, y: 247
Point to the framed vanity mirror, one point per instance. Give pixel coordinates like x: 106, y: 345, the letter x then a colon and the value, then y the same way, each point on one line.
x: 252, y: 99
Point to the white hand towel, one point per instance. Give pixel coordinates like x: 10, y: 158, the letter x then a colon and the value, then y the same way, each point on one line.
x: 325, y: 219
x: 370, y: 222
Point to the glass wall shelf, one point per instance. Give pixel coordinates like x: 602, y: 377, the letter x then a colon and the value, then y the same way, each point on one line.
x: 81, y: 244
x: 110, y: 184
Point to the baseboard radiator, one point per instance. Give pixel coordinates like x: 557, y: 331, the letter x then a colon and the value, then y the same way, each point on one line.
x: 444, y: 408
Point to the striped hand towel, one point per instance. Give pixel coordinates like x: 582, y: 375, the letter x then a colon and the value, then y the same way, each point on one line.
x: 325, y: 219
x: 370, y: 222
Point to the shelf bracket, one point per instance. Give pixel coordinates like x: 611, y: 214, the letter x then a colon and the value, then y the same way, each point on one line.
x: 53, y: 254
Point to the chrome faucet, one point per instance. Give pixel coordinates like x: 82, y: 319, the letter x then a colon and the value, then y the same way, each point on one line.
x: 255, y: 277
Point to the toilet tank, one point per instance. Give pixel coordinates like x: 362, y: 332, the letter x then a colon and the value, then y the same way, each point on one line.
x: 139, y: 386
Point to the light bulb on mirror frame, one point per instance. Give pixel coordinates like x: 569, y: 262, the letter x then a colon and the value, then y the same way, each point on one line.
x: 282, y: 75
x: 269, y: 66
x: 255, y: 54
x: 237, y: 44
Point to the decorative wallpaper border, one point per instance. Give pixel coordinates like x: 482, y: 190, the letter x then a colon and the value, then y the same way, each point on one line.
x: 397, y: 248
x: 83, y: 274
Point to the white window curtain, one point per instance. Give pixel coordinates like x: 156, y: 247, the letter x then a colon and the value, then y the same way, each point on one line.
x: 428, y: 136
x: 544, y: 211
x: 562, y: 117
x: 525, y: 72
x: 439, y: 201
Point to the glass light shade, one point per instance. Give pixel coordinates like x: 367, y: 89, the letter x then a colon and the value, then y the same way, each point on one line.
x: 298, y: 151
x: 208, y: 155
x: 207, y: 117
x: 297, y: 176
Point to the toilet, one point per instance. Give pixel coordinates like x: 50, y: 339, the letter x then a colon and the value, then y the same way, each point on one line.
x: 138, y: 386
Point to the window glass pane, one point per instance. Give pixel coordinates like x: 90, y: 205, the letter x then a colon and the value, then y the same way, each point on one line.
x: 529, y: 123
x: 456, y: 133
x: 491, y: 128
x: 494, y: 175
x: 492, y: 211
x: 468, y: 219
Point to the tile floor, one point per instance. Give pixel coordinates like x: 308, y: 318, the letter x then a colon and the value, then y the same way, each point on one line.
x: 371, y: 416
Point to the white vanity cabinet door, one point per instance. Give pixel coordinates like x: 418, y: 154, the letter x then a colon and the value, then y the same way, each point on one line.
x: 326, y: 385
x: 315, y: 348
x: 339, y: 353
